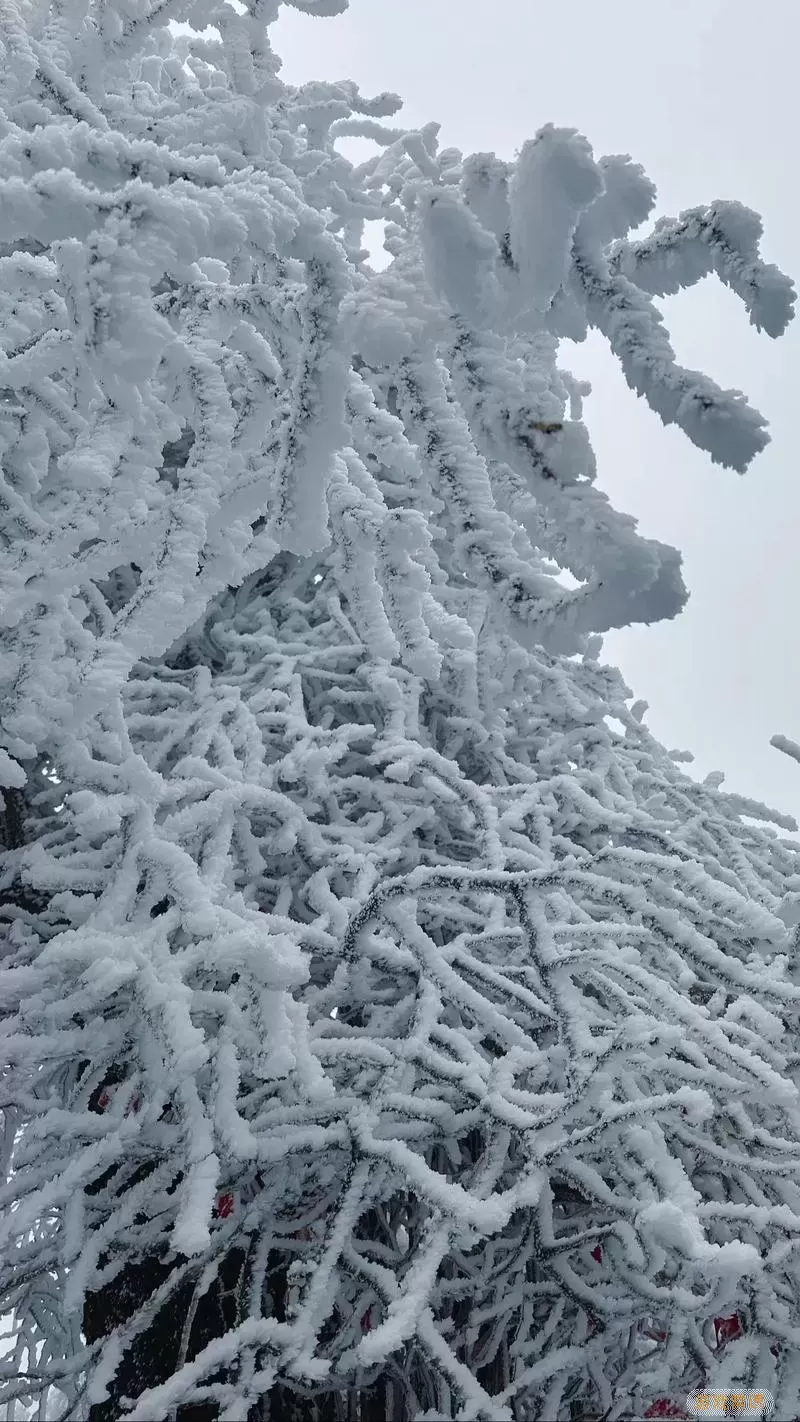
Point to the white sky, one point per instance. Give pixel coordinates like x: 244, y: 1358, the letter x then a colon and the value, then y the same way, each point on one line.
x: 703, y: 93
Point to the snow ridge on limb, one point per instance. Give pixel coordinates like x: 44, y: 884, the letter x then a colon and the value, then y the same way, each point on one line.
x: 719, y: 421
x: 555, y: 179
x: 567, y: 219
x: 790, y: 748
x: 319, y: 7
x: 722, y: 238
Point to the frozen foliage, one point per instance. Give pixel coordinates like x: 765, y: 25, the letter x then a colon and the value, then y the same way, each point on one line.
x: 384, y: 1011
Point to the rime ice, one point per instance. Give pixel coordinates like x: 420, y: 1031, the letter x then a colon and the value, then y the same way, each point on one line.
x: 385, y: 1013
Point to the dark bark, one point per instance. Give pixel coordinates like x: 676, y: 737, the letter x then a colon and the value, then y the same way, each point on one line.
x: 154, y: 1355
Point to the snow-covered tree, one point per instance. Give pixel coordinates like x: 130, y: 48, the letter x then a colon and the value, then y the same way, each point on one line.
x: 391, y: 1028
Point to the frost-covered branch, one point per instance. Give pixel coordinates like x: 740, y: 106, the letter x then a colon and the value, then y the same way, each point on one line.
x: 378, y: 1021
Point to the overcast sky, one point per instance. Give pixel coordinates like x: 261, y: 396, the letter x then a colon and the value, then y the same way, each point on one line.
x: 703, y: 93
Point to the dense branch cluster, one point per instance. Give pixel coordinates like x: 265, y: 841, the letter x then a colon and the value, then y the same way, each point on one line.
x: 385, y: 1013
